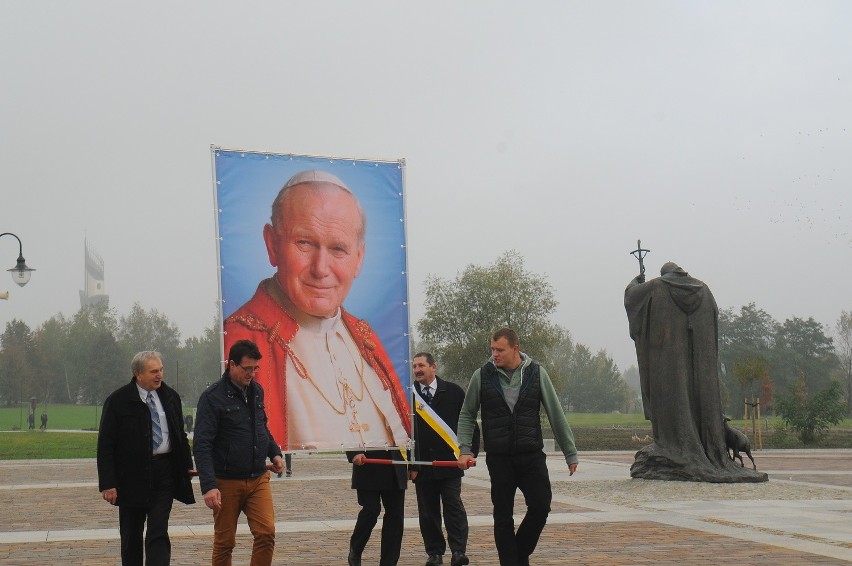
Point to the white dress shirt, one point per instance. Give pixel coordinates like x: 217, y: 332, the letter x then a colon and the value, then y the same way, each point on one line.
x: 165, y: 446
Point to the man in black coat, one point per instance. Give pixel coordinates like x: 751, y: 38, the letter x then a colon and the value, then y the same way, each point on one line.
x: 144, y: 460
x: 438, y: 485
x: 377, y: 485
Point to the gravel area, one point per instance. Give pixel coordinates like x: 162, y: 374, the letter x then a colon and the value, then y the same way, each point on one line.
x: 634, y: 493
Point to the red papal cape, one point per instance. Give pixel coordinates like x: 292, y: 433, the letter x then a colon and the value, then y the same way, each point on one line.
x: 264, y: 321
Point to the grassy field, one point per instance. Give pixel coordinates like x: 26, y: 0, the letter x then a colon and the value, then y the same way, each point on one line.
x: 37, y: 445
x: 59, y: 417
x: 593, y: 431
x: 87, y: 417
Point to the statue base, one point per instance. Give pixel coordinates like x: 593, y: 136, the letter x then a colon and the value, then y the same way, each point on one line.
x: 654, y: 462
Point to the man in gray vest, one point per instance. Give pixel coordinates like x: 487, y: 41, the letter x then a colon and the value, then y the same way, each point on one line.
x: 511, y: 389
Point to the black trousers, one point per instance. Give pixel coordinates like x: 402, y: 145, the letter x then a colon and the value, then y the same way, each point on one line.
x: 392, y: 524
x: 131, y: 521
x: 430, y: 495
x: 527, y: 472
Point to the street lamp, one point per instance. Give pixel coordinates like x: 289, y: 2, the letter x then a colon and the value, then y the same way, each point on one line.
x: 20, y: 273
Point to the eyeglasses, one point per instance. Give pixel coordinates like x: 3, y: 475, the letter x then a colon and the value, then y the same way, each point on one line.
x: 249, y: 369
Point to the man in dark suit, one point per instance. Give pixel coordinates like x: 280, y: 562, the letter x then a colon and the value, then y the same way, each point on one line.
x: 377, y: 485
x: 438, y: 485
x: 144, y: 460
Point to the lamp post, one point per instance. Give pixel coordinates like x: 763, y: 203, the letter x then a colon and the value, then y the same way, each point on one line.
x: 20, y: 273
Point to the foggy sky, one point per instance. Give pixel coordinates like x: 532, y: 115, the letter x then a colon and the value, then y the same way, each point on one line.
x: 719, y: 133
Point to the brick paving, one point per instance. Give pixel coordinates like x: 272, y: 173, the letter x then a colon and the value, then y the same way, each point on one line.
x: 598, y: 544
x: 39, y: 501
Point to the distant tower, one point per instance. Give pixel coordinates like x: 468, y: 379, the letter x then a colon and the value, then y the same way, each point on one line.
x: 93, y: 292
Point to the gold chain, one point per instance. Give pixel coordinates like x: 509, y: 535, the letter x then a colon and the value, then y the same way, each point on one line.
x: 304, y: 374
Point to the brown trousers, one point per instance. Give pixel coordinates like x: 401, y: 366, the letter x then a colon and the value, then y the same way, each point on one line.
x: 254, y: 498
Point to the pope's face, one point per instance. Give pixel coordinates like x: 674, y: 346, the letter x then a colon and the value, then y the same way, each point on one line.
x: 316, y: 247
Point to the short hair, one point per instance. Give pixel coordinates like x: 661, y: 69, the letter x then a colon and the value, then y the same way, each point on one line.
x: 429, y: 358
x: 243, y: 349
x: 137, y: 364
x: 510, y: 335
x: 311, y: 178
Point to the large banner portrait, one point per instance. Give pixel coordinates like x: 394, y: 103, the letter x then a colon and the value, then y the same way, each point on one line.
x: 313, y: 270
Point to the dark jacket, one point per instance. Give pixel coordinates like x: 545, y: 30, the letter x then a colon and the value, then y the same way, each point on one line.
x: 517, y: 431
x: 232, y: 439
x: 429, y: 446
x: 379, y: 477
x: 124, y: 446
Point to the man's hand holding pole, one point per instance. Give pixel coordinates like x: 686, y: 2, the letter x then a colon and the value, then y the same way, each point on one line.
x: 465, y: 461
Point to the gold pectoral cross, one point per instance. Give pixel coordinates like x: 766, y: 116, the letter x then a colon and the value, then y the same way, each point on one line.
x: 350, y: 399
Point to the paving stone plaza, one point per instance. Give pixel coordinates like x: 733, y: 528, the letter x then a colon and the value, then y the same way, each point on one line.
x: 51, y: 513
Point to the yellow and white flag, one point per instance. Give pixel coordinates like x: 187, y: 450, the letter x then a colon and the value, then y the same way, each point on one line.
x: 437, y: 423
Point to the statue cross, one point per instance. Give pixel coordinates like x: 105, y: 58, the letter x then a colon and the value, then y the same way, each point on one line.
x: 637, y: 253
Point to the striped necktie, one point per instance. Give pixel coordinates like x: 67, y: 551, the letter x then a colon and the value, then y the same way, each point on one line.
x: 157, y: 436
x: 427, y: 394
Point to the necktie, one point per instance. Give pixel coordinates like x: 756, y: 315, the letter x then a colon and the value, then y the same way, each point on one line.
x: 157, y: 436
x: 427, y: 394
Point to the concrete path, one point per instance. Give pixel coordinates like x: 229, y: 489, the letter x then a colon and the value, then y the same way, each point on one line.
x: 51, y: 513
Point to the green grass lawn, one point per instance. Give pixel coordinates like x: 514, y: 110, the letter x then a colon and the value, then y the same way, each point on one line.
x: 606, y: 419
x: 62, y: 417
x: 616, y: 420
x: 593, y: 431
x: 59, y: 417
x: 37, y: 445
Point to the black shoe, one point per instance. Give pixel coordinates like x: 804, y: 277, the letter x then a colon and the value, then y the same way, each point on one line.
x: 434, y: 560
x: 353, y: 560
x: 459, y: 559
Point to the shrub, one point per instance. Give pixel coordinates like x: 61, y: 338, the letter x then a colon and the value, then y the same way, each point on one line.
x: 811, y: 416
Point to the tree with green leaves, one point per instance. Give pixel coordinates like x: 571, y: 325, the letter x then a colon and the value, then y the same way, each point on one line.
x: 594, y: 384
x: 843, y: 349
x: 811, y: 415
x: 142, y: 330
x: 557, y: 359
x: 50, y: 341
x: 744, y: 337
x: 631, y: 378
x: 108, y: 368
x: 17, y: 371
x: 86, y: 357
x: 92, y: 328
x: 803, y: 351
x: 200, y: 363
x: 750, y: 372
x: 461, y: 314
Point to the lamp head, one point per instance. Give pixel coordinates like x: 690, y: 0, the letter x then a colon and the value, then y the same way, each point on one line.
x: 21, y: 273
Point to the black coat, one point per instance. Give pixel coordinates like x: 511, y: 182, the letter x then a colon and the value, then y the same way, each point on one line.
x: 379, y: 477
x: 428, y: 445
x: 124, y: 446
x: 232, y: 439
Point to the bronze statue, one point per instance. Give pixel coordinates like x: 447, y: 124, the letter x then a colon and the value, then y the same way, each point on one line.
x: 674, y: 324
